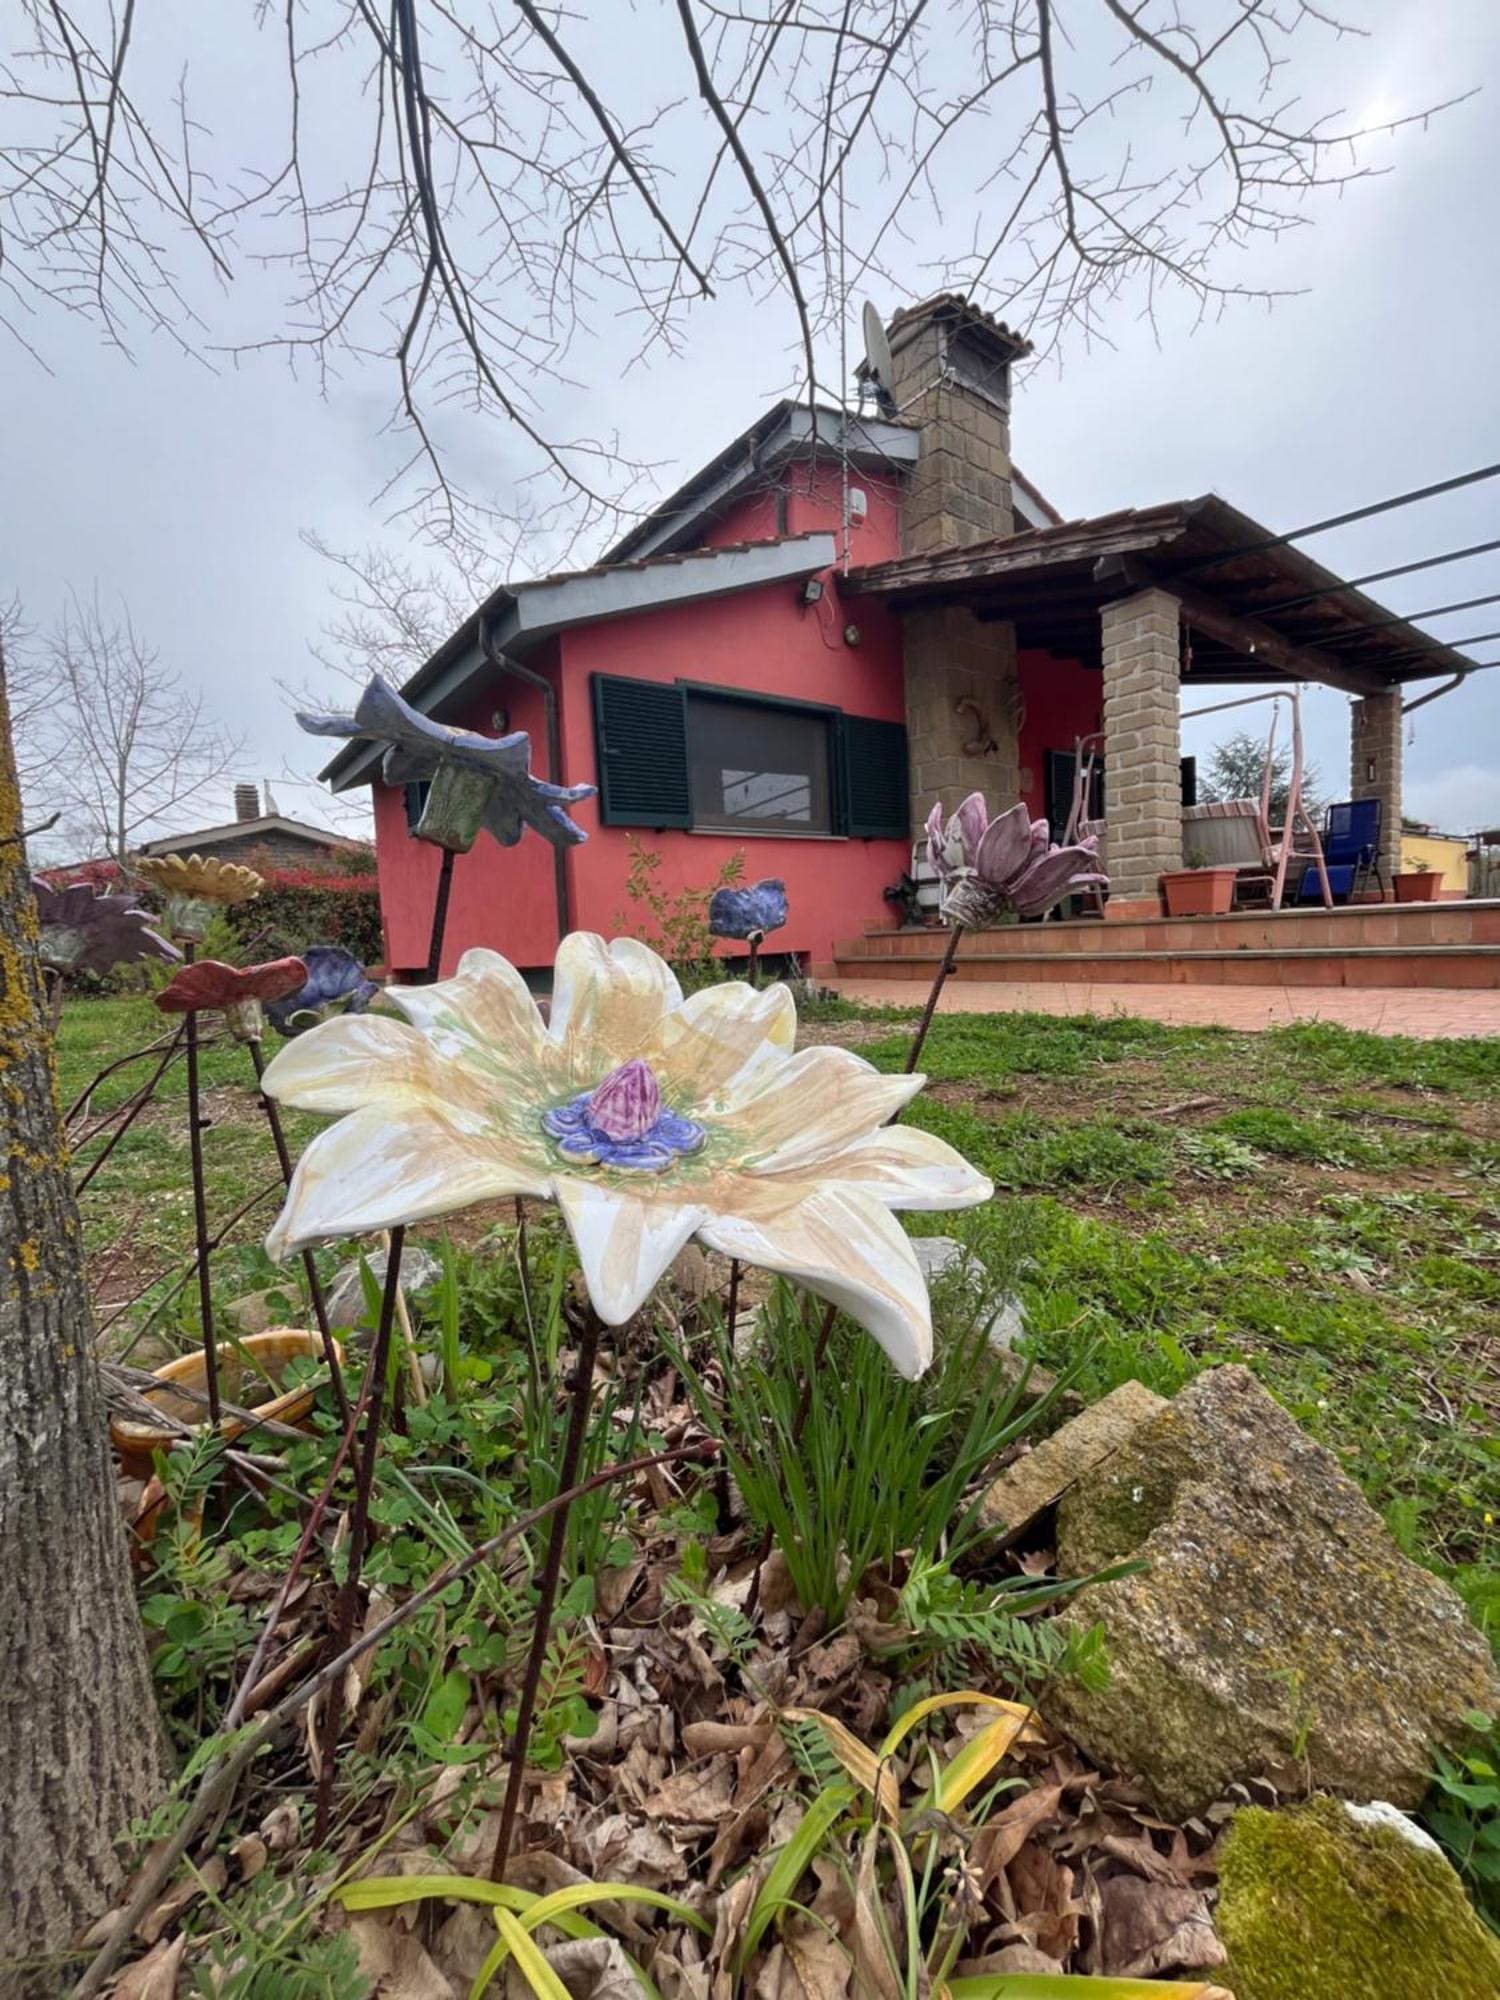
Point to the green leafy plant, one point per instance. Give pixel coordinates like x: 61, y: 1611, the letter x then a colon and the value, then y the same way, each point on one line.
x: 676, y: 926
x: 1462, y: 1810
x: 264, y: 1950
x: 881, y: 1465
x: 519, y: 1915
x: 950, y: 1618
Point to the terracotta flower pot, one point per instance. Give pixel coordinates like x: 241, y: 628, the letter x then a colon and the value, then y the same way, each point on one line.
x: 1419, y: 888
x: 1199, y: 892
x: 244, y: 1367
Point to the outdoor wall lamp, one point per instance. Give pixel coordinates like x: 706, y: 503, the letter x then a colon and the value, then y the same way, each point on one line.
x: 812, y: 590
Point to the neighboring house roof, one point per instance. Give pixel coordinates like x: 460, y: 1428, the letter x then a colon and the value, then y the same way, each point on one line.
x: 1259, y: 609
x: 250, y: 829
x: 1031, y: 504
x: 519, y: 616
x: 787, y: 430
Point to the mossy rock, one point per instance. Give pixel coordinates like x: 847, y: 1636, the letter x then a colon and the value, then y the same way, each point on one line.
x: 1314, y: 1905
x: 1275, y: 1629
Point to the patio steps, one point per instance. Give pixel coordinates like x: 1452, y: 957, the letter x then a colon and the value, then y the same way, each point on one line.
x: 1429, y: 945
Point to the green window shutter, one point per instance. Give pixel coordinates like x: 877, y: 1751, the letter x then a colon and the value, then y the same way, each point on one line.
x: 873, y: 780
x: 640, y: 734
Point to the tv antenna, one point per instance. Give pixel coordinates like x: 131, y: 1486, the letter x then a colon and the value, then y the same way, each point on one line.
x: 877, y: 368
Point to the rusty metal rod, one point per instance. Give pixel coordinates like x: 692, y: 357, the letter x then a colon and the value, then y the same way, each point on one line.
x: 578, y: 1415
x: 309, y: 1262
x: 372, y: 1400
x: 200, y: 1211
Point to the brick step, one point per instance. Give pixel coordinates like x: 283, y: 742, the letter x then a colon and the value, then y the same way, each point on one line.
x: 1385, y: 928
x: 1434, y: 966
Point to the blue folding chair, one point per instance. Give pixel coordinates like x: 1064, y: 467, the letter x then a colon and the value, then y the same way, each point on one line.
x: 1351, y: 851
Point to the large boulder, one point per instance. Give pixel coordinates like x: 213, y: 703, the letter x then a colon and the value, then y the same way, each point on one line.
x: 1319, y: 1902
x: 1276, y: 1627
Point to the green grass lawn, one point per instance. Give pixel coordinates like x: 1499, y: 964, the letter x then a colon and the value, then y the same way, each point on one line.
x: 1322, y: 1205
x: 138, y: 1210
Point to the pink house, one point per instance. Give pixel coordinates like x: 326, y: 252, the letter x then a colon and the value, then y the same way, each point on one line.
x: 838, y: 620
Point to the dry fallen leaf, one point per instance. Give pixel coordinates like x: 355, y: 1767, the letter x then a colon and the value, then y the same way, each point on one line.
x: 212, y: 1875
x: 155, y: 1976
x: 249, y: 1854
x: 396, y: 1962
x: 1152, y: 1927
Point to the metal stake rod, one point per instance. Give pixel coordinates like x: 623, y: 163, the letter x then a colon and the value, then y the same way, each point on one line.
x: 200, y: 1211
x: 583, y: 1381
x: 440, y: 916
x: 372, y: 1399
x: 932, y: 999
x: 143, y: 1098
x: 309, y: 1262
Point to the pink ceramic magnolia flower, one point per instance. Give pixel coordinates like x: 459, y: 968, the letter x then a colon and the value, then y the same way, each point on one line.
x: 648, y: 1118
x: 988, y: 867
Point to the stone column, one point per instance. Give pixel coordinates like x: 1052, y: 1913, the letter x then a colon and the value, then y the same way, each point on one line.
x: 1142, y: 749
x: 1375, y: 768
x: 952, y: 657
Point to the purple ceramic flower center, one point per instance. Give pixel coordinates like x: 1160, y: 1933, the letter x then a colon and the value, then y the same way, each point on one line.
x: 627, y: 1104
x: 623, y: 1123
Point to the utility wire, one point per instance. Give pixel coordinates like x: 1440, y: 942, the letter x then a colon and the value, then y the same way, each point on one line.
x: 1340, y: 520
x: 1410, y: 618
x: 1377, y: 576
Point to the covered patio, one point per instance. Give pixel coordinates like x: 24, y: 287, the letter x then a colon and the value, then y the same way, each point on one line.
x: 1110, y: 626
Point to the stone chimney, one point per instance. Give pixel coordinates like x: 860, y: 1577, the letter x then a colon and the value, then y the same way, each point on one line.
x: 951, y: 369
x: 952, y: 379
x: 246, y: 802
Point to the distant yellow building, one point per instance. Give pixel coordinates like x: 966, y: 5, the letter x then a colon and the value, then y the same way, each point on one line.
x: 1440, y: 853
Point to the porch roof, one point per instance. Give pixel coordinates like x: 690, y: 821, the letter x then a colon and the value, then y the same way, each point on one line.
x: 1257, y: 609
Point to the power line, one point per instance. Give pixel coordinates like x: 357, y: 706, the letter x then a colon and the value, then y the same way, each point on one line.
x: 1377, y: 576
x: 1341, y: 520
x: 1410, y: 618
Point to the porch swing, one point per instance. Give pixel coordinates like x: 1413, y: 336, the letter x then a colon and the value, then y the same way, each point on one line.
x: 1296, y: 840
x: 1232, y: 832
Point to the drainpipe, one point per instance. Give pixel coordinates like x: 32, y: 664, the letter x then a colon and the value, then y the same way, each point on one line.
x: 504, y: 664
x: 1409, y: 707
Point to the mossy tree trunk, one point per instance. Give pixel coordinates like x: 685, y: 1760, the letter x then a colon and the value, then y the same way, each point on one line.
x: 80, y: 1750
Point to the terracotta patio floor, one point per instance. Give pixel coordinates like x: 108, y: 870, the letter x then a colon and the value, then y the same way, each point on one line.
x: 1379, y: 1010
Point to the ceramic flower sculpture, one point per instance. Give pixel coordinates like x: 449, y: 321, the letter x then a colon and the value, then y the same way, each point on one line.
x: 648, y: 1118
x: 476, y: 781
x: 988, y: 867
x: 81, y: 931
x: 748, y: 914
x: 192, y: 888
x: 335, y: 984
x: 209, y: 983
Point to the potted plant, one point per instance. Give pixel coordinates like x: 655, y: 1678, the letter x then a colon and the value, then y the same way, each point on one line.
x: 1201, y: 889
x: 1421, y: 883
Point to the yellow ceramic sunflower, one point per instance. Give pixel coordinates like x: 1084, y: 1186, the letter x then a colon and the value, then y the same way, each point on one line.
x: 192, y: 886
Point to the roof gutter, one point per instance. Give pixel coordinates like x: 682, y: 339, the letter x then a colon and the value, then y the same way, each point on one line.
x: 504, y: 664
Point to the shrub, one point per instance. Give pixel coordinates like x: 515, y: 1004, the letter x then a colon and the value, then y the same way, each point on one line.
x: 303, y: 906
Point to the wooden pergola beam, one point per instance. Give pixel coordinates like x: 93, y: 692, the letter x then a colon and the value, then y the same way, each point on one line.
x: 1245, y: 635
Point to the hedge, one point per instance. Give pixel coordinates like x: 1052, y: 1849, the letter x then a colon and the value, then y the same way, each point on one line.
x: 303, y: 906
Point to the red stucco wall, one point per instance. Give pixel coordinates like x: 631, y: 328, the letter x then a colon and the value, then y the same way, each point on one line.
x: 764, y: 641
x: 1062, y: 701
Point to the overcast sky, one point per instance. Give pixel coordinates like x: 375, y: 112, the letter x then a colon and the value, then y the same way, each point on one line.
x: 181, y: 488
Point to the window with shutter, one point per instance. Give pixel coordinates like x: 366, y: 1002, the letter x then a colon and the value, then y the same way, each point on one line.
x: 872, y: 760
x: 640, y: 733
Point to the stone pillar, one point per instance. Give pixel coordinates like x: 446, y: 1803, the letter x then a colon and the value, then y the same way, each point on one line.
x: 952, y: 657
x: 1142, y: 749
x: 1375, y: 769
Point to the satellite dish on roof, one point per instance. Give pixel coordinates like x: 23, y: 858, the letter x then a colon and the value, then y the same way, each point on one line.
x: 877, y: 368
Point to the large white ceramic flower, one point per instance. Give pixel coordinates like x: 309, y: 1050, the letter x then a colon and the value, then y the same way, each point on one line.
x: 649, y: 1118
